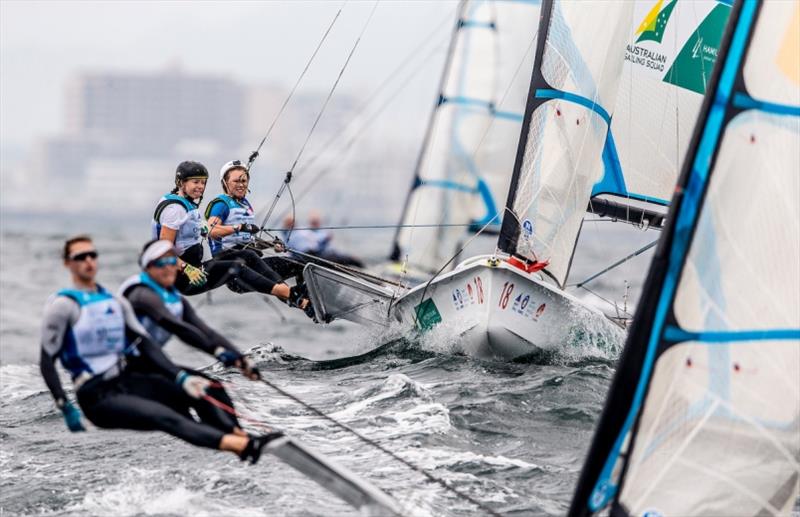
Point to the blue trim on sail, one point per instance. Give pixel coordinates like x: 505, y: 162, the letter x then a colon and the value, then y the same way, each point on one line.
x: 448, y: 184
x: 676, y: 334
x: 613, y: 181
x: 746, y: 102
x: 469, y: 101
x: 576, y: 99
x: 605, y: 488
x: 508, y: 115
x: 474, y: 24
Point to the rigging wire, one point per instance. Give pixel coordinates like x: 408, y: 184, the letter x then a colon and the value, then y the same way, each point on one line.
x: 377, y: 227
x: 430, y: 477
x: 254, y: 154
x: 615, y: 264
x: 369, y: 441
x: 389, y: 80
x: 333, y: 88
x: 288, y: 177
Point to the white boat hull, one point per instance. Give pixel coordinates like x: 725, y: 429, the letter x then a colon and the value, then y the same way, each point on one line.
x: 496, y: 310
x: 500, y: 311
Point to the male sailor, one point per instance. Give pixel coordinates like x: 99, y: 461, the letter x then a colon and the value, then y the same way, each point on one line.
x: 177, y: 219
x: 91, y: 332
x: 231, y: 221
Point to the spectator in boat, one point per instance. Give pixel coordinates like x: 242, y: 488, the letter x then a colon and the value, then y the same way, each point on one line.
x: 317, y: 240
x: 92, y: 332
x: 177, y: 219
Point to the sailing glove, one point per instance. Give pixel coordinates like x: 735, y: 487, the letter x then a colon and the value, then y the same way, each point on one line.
x: 194, y: 385
x: 72, y: 416
x: 196, y: 275
x: 227, y: 357
x: 249, y: 228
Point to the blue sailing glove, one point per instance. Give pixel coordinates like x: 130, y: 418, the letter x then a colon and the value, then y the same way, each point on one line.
x: 227, y: 357
x: 72, y: 416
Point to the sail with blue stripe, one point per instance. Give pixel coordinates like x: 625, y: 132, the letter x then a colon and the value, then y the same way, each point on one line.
x: 463, y: 170
x: 668, y: 62
x: 703, y: 416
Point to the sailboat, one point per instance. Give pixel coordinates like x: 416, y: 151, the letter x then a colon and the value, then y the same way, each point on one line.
x: 703, y: 415
x: 514, y: 302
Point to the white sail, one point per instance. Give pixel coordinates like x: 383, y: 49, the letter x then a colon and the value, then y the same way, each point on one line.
x: 466, y: 163
x: 564, y: 144
x: 668, y: 63
x: 704, y: 414
x: 732, y: 418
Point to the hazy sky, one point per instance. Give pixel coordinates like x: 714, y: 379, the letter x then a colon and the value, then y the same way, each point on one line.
x: 43, y: 44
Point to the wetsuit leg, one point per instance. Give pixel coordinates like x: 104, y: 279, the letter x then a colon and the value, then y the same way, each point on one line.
x: 286, y: 267
x: 208, y: 413
x: 253, y: 273
x: 145, y: 402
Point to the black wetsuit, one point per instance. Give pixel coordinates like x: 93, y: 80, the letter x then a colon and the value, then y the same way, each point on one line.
x: 118, y: 397
x: 161, y: 323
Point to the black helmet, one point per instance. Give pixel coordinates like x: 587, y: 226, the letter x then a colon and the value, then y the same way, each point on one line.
x: 188, y: 170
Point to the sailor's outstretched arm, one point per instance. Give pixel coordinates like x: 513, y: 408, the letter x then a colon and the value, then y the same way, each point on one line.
x: 146, y: 301
x: 214, y: 338
x: 136, y: 333
x: 59, y: 315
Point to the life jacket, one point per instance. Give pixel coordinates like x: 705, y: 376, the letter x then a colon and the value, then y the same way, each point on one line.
x: 172, y: 301
x: 189, y: 240
x: 97, y: 340
x: 239, y: 212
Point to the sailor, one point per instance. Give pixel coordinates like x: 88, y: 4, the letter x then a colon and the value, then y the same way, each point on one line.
x: 231, y: 221
x: 315, y: 241
x: 177, y: 218
x: 163, y: 312
x: 91, y: 332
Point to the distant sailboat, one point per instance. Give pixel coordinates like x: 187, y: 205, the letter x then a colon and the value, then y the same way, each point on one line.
x: 703, y: 415
x: 514, y: 302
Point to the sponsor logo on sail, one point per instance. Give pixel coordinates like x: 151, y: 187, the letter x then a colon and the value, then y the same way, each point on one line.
x: 655, y: 23
x: 686, y: 56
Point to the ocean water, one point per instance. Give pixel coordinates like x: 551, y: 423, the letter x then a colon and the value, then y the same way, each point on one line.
x: 511, y: 435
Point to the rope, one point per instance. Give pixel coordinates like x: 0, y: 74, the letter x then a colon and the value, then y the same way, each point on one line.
x: 375, y: 227
x: 376, y: 445
x: 254, y: 154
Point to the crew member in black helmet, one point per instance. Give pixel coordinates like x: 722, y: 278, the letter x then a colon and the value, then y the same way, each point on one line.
x: 177, y: 219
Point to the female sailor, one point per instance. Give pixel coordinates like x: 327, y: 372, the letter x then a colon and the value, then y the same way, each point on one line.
x: 232, y: 226
x: 91, y: 332
x: 177, y: 219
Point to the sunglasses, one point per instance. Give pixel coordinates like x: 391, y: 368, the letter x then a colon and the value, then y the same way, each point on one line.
x: 164, y: 262
x: 80, y: 257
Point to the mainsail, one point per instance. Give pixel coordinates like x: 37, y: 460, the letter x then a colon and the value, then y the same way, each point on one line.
x: 463, y: 170
x: 703, y: 416
x: 560, y: 156
x: 602, y: 126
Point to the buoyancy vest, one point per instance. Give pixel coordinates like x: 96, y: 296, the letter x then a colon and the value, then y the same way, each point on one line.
x: 239, y: 212
x: 172, y: 301
x: 96, y: 341
x: 189, y: 240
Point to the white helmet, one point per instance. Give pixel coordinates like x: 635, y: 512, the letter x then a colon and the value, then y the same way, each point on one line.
x: 235, y: 164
